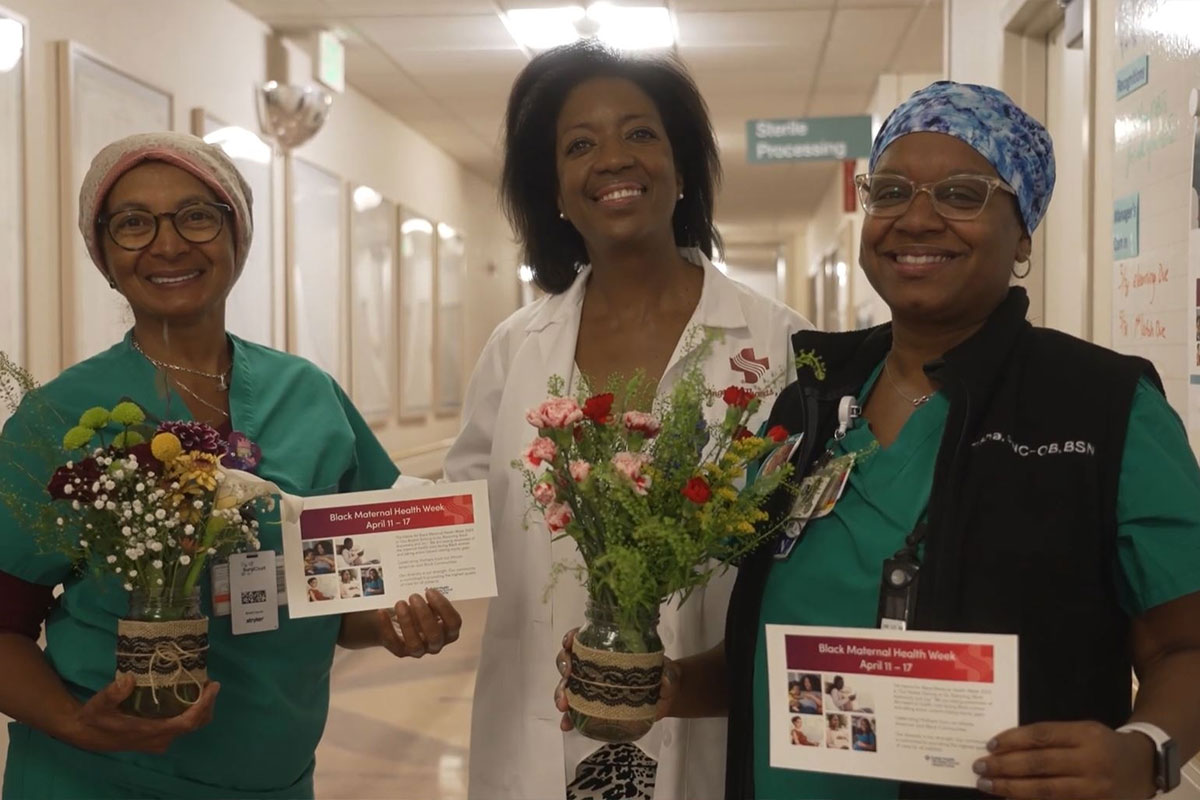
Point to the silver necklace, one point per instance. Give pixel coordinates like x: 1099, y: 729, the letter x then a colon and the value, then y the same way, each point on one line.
x: 222, y: 377
x: 200, y: 399
x: 917, y: 402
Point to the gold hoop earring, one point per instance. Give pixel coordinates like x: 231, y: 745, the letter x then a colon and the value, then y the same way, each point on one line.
x: 1028, y: 268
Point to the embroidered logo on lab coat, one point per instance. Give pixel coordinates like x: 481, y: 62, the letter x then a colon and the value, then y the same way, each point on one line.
x: 751, y: 368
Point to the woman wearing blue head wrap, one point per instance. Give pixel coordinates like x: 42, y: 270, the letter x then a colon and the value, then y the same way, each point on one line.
x: 1002, y: 479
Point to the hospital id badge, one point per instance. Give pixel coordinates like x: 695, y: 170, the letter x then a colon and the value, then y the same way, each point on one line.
x: 253, y: 592
x: 218, y: 574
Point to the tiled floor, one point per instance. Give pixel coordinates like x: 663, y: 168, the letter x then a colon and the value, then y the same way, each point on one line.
x: 399, y: 729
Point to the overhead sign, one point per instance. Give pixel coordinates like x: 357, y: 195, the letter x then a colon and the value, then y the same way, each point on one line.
x: 1133, y: 76
x: 813, y: 139
x: 331, y: 61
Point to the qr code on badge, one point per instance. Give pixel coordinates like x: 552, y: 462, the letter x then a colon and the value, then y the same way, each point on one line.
x: 256, y: 596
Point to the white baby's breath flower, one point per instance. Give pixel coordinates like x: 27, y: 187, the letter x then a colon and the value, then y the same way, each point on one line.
x: 131, y: 553
x: 133, y: 573
x: 151, y: 531
x: 68, y: 489
x: 110, y: 505
x: 156, y: 563
x: 99, y: 503
x: 160, y: 514
x: 117, y: 570
x: 129, y: 587
x: 185, y: 559
x: 141, y: 487
x: 198, y: 504
x: 74, y: 503
x: 126, y: 531
x: 212, y: 551
x: 159, y: 582
x: 83, y: 543
x: 59, y: 521
x: 149, y: 517
x: 156, y: 546
x: 110, y: 485
x: 189, y: 529
x: 111, y: 559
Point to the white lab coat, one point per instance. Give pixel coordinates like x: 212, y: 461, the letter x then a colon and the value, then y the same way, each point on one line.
x: 517, y: 750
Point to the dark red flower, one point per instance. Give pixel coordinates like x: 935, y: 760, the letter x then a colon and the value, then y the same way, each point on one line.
x: 79, y: 476
x: 697, y: 490
x: 598, y: 408
x: 777, y: 434
x: 742, y: 433
x: 195, y: 436
x: 145, y: 458
x: 737, y: 397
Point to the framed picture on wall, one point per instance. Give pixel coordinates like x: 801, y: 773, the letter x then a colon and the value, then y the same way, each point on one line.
x: 98, y: 104
x: 250, y: 310
x: 416, y: 315
x: 316, y: 274
x: 451, y: 274
x: 372, y: 304
x: 14, y: 49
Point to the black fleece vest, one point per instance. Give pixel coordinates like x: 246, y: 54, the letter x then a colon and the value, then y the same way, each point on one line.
x: 1022, y: 514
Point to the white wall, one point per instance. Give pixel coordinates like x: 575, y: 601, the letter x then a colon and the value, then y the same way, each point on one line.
x: 974, y: 40
x: 210, y: 54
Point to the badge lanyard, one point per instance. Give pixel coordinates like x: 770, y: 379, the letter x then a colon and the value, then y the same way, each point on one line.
x: 821, y: 490
x: 898, y: 582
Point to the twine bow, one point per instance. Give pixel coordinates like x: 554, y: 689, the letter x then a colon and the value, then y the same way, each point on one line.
x: 167, y: 655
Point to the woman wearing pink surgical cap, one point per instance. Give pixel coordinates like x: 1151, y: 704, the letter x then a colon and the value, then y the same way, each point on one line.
x: 167, y: 219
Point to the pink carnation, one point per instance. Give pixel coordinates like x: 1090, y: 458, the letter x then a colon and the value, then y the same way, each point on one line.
x: 558, y: 515
x: 540, y: 449
x: 580, y: 470
x: 557, y: 412
x: 643, y: 423
x: 630, y: 465
x: 544, y: 493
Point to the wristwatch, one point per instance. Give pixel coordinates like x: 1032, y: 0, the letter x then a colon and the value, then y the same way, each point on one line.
x: 1166, y: 754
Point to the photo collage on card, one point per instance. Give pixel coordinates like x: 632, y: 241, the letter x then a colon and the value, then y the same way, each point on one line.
x: 831, y: 711
x: 342, y: 569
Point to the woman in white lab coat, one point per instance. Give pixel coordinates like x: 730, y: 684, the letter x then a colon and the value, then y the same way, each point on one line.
x: 609, y: 178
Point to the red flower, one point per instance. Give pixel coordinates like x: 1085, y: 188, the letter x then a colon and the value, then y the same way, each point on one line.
x: 742, y: 433
x: 737, y: 397
x: 80, y: 477
x: 598, y: 408
x: 697, y: 491
x: 777, y: 434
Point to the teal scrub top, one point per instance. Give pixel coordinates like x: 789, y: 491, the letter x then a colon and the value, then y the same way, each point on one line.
x: 274, y: 694
x: 832, y: 577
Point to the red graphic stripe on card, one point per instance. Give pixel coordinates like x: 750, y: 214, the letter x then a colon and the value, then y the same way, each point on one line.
x: 392, y: 517
x: 899, y: 658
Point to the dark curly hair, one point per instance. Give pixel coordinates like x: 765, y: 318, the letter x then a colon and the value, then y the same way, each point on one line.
x: 529, y: 183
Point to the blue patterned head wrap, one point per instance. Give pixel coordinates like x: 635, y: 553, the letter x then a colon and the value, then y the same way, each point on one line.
x: 1014, y: 143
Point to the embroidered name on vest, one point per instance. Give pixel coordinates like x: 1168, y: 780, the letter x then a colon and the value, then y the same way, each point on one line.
x: 1074, y: 447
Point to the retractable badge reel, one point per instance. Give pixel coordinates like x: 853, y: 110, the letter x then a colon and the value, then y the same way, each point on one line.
x: 898, y: 584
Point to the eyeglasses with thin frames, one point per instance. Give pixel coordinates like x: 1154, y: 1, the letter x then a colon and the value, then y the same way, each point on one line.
x: 958, y: 197
x: 136, y: 228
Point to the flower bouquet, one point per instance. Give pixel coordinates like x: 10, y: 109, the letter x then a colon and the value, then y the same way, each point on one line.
x: 655, y: 503
x: 151, y: 506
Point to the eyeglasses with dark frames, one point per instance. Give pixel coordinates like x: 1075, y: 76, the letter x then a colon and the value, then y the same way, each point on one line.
x: 136, y: 228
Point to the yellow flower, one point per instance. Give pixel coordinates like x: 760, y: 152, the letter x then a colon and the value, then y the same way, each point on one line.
x: 744, y: 527
x: 198, y: 470
x: 166, y: 447
x: 727, y: 493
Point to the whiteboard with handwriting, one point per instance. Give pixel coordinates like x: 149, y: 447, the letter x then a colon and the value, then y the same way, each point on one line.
x: 1156, y: 177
